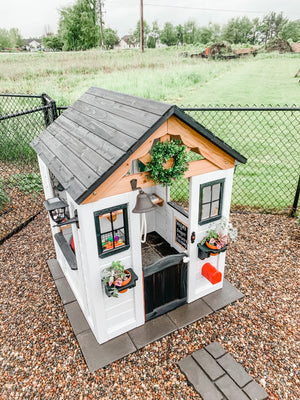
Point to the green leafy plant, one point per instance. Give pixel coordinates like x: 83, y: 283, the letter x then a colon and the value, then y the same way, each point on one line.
x: 220, y: 235
x: 4, y: 199
x: 114, y: 276
x: 27, y: 183
x: 162, y: 153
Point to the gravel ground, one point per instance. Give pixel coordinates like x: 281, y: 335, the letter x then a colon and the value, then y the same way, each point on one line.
x: 41, y: 359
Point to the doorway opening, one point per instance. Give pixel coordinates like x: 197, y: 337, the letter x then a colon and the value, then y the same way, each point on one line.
x: 165, y: 276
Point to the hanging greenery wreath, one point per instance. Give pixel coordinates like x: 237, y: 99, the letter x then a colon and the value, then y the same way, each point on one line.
x: 167, y: 153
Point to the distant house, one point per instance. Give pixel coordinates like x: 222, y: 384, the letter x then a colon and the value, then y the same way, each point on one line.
x: 126, y: 43
x: 33, y: 45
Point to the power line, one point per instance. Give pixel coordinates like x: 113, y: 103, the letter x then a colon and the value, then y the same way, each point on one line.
x: 202, y: 9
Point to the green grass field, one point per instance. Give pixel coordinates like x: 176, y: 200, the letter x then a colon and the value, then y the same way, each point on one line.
x: 270, y: 141
x: 161, y: 74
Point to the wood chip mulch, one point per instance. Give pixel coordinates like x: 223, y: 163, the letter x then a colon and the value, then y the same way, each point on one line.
x: 21, y: 206
x: 41, y: 359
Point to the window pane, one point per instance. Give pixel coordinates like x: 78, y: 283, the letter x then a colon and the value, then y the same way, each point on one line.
x: 119, y: 238
x: 112, y: 230
x: 214, y: 208
x: 216, y: 191
x: 205, y: 211
x: 105, y: 224
x: 206, y: 194
x: 117, y: 219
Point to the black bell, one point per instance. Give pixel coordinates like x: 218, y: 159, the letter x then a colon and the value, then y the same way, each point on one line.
x: 143, y: 203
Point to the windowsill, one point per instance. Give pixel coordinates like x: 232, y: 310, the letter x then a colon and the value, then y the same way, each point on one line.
x: 114, y: 251
x: 178, y: 208
x: 66, y: 250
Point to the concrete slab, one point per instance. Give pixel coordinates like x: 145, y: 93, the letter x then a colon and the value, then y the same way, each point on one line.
x: 234, y: 370
x: 215, y: 349
x: 208, y: 364
x: 230, y: 389
x: 76, y: 318
x: 99, y: 355
x: 222, y: 297
x: 199, y: 380
x: 55, y: 269
x: 189, y: 313
x: 152, y: 330
x: 255, y: 392
x: 222, y: 372
x: 64, y: 291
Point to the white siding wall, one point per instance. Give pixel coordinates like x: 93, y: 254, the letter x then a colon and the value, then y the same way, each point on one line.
x: 198, y: 286
x: 112, y: 316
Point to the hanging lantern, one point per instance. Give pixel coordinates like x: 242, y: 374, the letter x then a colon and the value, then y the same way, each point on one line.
x: 57, y: 210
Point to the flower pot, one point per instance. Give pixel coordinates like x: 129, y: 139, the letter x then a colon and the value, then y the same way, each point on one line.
x: 213, y: 247
x: 124, y: 283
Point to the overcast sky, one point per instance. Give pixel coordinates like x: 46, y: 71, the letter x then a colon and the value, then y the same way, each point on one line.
x: 32, y: 16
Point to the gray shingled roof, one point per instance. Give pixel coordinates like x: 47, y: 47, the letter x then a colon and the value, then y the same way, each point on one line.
x: 95, y: 135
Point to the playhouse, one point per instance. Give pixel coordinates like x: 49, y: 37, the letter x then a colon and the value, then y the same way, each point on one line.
x: 105, y: 207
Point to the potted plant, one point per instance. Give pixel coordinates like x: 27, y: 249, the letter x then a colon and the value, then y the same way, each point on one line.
x: 218, y: 238
x: 215, y: 241
x: 115, y: 277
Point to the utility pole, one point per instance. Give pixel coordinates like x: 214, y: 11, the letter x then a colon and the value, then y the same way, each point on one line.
x: 101, y: 23
x: 142, y: 29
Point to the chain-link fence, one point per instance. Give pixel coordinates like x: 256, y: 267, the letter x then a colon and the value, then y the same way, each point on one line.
x: 269, y: 137
x: 21, y: 119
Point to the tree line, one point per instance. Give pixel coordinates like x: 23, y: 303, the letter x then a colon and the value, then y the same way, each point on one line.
x: 235, y: 31
x: 81, y: 27
x: 10, y: 38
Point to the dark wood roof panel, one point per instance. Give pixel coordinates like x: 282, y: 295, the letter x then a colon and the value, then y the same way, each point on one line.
x: 121, y: 124
x: 86, y: 154
x: 107, y: 133
x: 60, y: 171
x: 73, y: 163
x: 140, y: 103
x: 108, y: 151
x: 131, y: 113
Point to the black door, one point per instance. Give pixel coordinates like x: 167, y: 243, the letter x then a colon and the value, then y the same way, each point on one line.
x: 165, y: 286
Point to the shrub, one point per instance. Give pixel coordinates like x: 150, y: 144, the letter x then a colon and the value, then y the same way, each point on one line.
x: 4, y: 199
x: 27, y: 183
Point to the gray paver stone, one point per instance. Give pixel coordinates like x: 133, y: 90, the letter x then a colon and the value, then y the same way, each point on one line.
x: 208, y: 364
x: 215, y: 349
x: 76, y: 318
x: 64, y: 290
x: 152, y: 330
x: 235, y: 370
x: 189, y: 313
x: 55, y: 268
x: 222, y: 297
x: 255, y: 391
x: 199, y: 380
x: 99, y: 355
x: 230, y: 389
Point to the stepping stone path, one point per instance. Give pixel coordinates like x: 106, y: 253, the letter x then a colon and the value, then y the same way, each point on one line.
x: 216, y: 375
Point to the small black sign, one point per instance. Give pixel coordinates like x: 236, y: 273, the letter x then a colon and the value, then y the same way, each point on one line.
x: 181, y: 234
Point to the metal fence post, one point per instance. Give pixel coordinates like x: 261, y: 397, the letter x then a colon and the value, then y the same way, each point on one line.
x: 296, y: 199
x: 45, y: 103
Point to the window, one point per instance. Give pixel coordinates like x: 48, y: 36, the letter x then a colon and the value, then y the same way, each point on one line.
x: 210, y: 204
x: 112, y: 230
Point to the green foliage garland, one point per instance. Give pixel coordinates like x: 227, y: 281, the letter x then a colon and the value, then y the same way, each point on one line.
x: 160, y: 154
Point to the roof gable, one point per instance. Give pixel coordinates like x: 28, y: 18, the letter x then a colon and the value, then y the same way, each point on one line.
x: 100, y: 132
